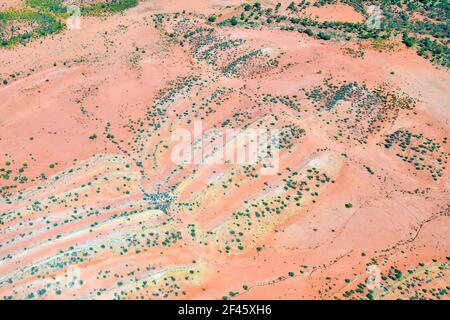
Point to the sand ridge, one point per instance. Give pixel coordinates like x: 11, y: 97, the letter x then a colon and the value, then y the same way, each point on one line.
x: 93, y: 207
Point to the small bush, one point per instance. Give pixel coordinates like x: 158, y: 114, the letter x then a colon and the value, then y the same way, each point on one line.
x: 324, y: 36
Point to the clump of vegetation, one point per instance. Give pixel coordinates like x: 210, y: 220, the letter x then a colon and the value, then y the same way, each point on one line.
x: 422, y: 153
x: 428, y: 36
x: 365, y: 110
x: 423, y: 282
x: 40, y: 18
x: 324, y: 36
x: 108, y: 7
x: 20, y: 26
x: 94, y: 8
x: 53, y: 6
x: 247, y: 225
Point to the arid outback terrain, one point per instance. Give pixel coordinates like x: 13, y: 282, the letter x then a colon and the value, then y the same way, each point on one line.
x: 93, y: 207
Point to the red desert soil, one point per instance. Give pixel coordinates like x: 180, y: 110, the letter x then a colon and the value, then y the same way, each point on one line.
x: 335, y: 12
x: 7, y: 4
x: 95, y: 208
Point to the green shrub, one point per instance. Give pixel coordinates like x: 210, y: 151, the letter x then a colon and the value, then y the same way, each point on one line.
x: 98, y: 9
x: 42, y: 24
x: 324, y: 36
x: 54, y: 6
x: 409, y: 42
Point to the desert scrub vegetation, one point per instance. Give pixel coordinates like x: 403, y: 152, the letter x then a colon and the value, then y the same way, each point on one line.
x: 247, y: 227
x: 20, y: 26
x: 421, y: 282
x: 364, y: 113
x: 10, y: 180
x: 110, y: 6
x: 40, y: 18
x: 288, y: 101
x: 156, y: 117
x: 428, y: 35
x: 288, y: 136
x: 53, y: 6
x: 206, y: 45
x: 93, y: 8
x: 423, y: 153
x: 231, y: 56
x: 250, y: 63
